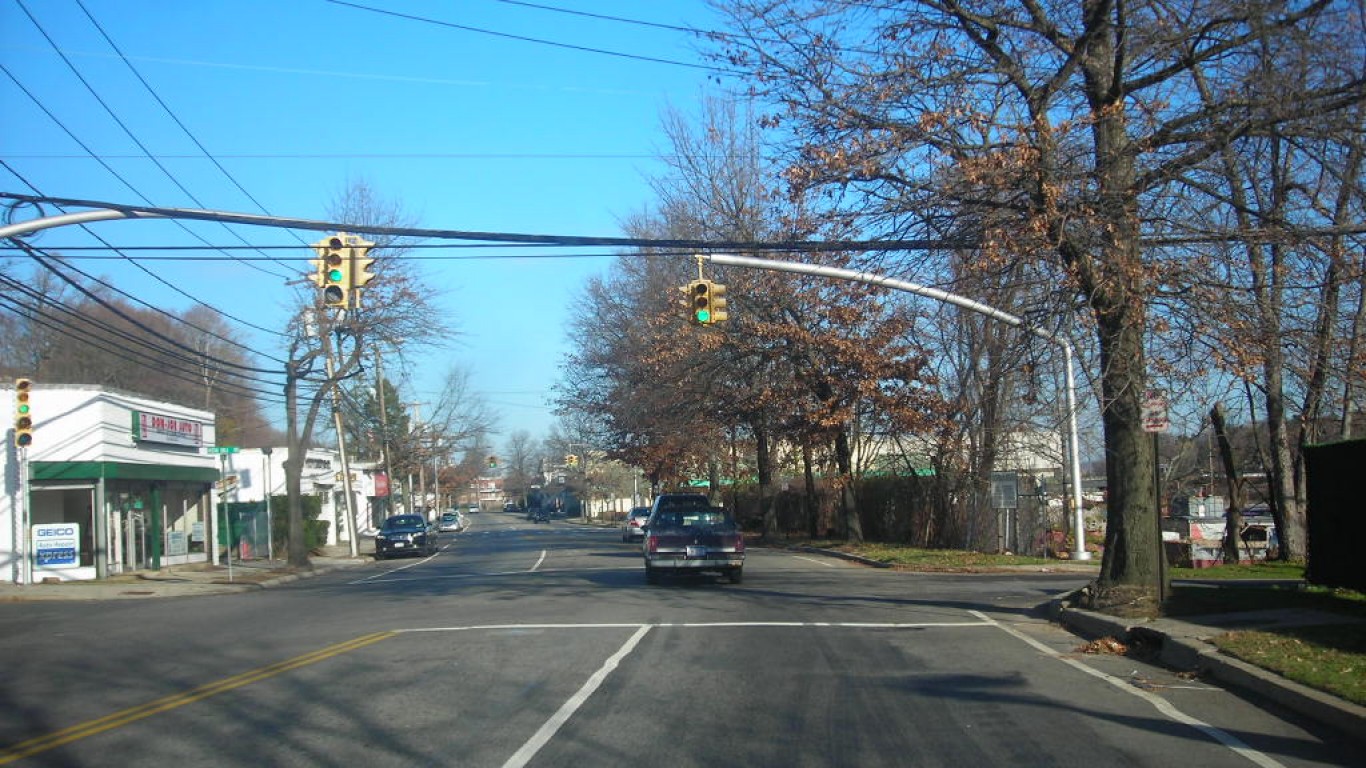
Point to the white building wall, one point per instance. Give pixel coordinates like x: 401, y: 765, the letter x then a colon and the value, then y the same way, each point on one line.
x: 84, y: 424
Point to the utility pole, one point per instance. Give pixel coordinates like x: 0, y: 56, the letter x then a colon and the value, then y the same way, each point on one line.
x: 350, y: 505
x: 383, y: 428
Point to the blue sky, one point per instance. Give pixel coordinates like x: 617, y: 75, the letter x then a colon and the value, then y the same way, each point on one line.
x: 296, y: 99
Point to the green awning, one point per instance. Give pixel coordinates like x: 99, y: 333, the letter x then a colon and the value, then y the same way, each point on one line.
x: 112, y: 470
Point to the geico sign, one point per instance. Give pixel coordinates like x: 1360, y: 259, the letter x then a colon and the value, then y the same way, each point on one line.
x: 48, y: 532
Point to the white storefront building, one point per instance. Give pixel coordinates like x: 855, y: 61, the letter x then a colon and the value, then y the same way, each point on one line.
x: 112, y: 482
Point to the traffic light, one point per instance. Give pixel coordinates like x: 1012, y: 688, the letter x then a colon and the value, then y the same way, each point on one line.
x: 333, y: 270
x: 23, y: 415
x: 706, y: 301
x: 716, y: 307
x: 699, y: 301
x: 360, y: 263
x: 571, y: 460
x: 493, y: 462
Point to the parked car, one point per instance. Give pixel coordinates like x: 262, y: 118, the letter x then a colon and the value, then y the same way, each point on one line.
x: 451, y: 521
x: 634, y: 525
x: 685, y: 534
x: 404, y: 534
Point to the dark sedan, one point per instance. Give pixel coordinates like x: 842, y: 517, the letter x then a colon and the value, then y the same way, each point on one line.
x: 687, y: 538
x: 405, y: 534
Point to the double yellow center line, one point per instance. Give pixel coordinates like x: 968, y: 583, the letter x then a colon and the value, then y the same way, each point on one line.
x: 84, y: 730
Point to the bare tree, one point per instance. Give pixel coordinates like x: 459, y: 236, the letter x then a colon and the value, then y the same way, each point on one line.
x: 1060, y: 123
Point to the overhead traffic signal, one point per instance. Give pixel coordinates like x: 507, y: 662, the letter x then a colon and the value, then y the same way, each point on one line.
x: 716, y: 305
x: 360, y: 262
x: 571, y: 460
x: 333, y: 274
x: 493, y: 462
x: 23, y: 413
x: 706, y: 301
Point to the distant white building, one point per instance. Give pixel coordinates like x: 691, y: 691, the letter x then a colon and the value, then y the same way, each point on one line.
x: 255, y: 474
x: 112, y: 482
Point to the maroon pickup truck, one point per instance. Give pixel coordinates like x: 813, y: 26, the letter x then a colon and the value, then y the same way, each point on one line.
x: 685, y: 534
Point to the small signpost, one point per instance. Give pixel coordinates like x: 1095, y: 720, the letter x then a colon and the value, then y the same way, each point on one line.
x: 1005, y: 498
x: 1153, y: 412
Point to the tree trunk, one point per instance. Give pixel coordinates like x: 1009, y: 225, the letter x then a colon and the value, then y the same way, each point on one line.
x: 810, y: 502
x: 1112, y: 277
x: 763, y: 460
x: 853, y: 526
x: 1234, y: 517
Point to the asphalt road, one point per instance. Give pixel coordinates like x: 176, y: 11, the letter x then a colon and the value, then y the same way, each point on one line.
x: 522, y: 644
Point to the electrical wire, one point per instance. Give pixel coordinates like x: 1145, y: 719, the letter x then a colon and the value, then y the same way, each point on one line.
x: 174, y: 118
x: 536, y: 40
x: 127, y: 131
x: 144, y: 269
x: 45, y: 259
x: 168, y: 315
x: 42, y: 314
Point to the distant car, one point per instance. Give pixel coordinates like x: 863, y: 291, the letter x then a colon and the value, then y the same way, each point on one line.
x: 685, y: 534
x: 634, y: 526
x: 450, y: 522
x: 472, y: 509
x: 405, y: 534
x: 511, y: 507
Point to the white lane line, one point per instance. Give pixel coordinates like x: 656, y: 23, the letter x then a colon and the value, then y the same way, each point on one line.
x: 547, y: 731
x: 538, y: 562
x: 396, y: 570
x: 814, y: 560
x: 1162, y: 705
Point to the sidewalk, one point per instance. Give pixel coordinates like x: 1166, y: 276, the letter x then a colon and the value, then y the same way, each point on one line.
x: 189, y: 580
x: 1184, y: 645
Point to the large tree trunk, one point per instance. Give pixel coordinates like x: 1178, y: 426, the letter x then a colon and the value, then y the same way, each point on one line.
x: 844, y: 462
x: 810, y: 502
x: 1110, y: 268
x: 764, y: 461
x: 1234, y: 480
x: 1131, y: 545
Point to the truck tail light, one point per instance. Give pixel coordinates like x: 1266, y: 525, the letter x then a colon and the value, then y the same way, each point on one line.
x: 652, y: 544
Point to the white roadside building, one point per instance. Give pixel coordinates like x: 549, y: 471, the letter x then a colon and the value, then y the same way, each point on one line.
x: 112, y: 482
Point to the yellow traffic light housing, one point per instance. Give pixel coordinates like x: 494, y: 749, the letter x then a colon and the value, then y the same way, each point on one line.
x: 699, y: 301
x: 23, y: 413
x: 333, y: 270
x: 360, y: 262
x: 716, y: 304
x: 705, y: 302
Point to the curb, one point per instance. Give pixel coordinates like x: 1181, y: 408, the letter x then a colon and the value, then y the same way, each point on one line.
x: 1193, y: 655
x: 841, y: 555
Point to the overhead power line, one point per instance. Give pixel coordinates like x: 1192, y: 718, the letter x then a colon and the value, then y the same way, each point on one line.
x: 45, y: 260
x: 536, y: 40
x: 803, y: 246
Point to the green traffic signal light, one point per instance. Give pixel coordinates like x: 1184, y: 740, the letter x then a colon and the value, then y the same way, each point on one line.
x: 701, y: 301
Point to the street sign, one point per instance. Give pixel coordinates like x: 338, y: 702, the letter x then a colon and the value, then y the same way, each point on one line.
x: 1154, y: 411
x: 1005, y: 490
x: 223, y: 449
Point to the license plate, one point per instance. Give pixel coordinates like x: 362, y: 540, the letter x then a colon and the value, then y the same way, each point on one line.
x: 696, y: 551
x: 399, y: 545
